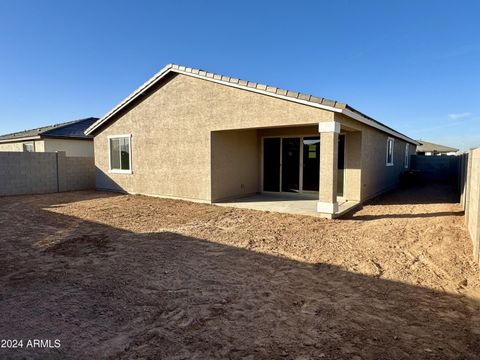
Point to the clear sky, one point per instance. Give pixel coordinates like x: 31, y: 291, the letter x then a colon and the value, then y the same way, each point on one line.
x: 414, y: 65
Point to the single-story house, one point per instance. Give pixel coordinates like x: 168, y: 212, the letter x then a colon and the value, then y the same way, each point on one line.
x: 428, y: 148
x: 69, y: 137
x: 195, y: 135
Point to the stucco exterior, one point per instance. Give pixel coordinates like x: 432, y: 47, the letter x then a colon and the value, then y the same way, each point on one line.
x: 200, y: 140
x: 366, y: 160
x: 171, y: 135
x: 39, y: 145
x: 234, y: 167
x: 71, y: 147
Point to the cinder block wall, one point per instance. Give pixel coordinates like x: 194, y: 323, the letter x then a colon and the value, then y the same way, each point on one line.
x: 40, y: 173
x: 437, y: 168
x: 471, y: 196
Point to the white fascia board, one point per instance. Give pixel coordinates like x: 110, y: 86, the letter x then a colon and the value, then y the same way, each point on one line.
x: 20, y: 139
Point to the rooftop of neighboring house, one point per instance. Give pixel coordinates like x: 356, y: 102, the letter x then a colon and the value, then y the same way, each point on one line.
x: 68, y: 130
x: 425, y: 146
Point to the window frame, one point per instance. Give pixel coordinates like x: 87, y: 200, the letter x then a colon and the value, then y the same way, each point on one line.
x: 407, y: 156
x: 390, y: 139
x: 32, y: 144
x: 120, y: 171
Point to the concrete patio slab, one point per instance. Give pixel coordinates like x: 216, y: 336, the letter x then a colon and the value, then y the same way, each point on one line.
x: 300, y: 204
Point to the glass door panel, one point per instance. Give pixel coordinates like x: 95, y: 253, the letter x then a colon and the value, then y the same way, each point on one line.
x: 341, y: 165
x: 271, y: 164
x: 291, y: 164
x: 311, y: 163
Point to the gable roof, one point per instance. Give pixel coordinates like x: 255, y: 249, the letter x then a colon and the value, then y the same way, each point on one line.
x: 72, y: 130
x: 425, y: 146
x: 306, y: 99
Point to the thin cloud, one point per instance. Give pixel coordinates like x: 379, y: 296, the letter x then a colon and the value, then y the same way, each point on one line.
x: 458, y: 51
x: 449, y: 124
x: 459, y: 115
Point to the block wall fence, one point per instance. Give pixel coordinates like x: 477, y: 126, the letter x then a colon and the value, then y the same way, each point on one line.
x: 40, y: 173
x: 470, y: 195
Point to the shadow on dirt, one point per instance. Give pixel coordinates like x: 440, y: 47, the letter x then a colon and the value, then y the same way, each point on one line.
x: 435, y: 193
x: 110, y: 293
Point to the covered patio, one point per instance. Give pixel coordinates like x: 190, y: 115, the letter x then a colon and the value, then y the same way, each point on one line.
x: 311, y: 169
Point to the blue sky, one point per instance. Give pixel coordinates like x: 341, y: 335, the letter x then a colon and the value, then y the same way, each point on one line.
x: 414, y: 65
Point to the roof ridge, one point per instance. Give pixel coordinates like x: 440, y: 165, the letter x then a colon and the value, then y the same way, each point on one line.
x: 52, y: 126
x: 44, y: 130
x: 427, y: 144
x: 306, y: 99
x: 64, y: 124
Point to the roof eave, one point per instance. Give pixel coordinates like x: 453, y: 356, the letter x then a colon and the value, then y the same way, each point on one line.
x: 3, y: 141
x: 159, y: 75
x: 65, y: 137
x: 374, y: 124
x: 345, y: 109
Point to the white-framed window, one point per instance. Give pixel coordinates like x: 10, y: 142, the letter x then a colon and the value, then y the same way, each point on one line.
x: 120, y: 153
x: 390, y: 146
x: 407, y: 156
x: 28, y: 147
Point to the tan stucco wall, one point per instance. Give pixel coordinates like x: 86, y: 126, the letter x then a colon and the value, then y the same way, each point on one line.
x: 376, y: 177
x: 171, y: 132
x: 18, y: 146
x: 353, y: 166
x: 234, y: 163
x: 71, y: 147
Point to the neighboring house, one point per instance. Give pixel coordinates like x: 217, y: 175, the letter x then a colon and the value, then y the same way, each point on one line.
x: 428, y: 148
x: 68, y: 137
x: 195, y: 135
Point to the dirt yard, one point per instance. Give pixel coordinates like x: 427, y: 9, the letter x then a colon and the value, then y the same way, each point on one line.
x: 133, y: 277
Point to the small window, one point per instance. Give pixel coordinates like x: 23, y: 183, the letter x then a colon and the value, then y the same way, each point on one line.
x: 28, y: 147
x: 407, y: 155
x: 120, y: 152
x: 390, y: 143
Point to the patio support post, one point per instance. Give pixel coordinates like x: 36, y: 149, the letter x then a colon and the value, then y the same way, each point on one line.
x: 327, y: 204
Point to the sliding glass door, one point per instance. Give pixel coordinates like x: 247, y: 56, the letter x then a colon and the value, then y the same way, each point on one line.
x: 291, y: 164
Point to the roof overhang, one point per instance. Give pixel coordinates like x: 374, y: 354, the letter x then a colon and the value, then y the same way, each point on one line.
x: 90, y: 138
x: 27, y: 138
x: 244, y: 85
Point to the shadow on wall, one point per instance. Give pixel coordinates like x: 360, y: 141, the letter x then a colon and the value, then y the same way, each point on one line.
x: 437, y: 169
x: 416, y: 194
x: 114, y: 293
x: 104, y: 182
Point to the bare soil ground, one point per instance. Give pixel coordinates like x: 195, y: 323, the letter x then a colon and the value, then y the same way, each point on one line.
x: 134, y: 277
